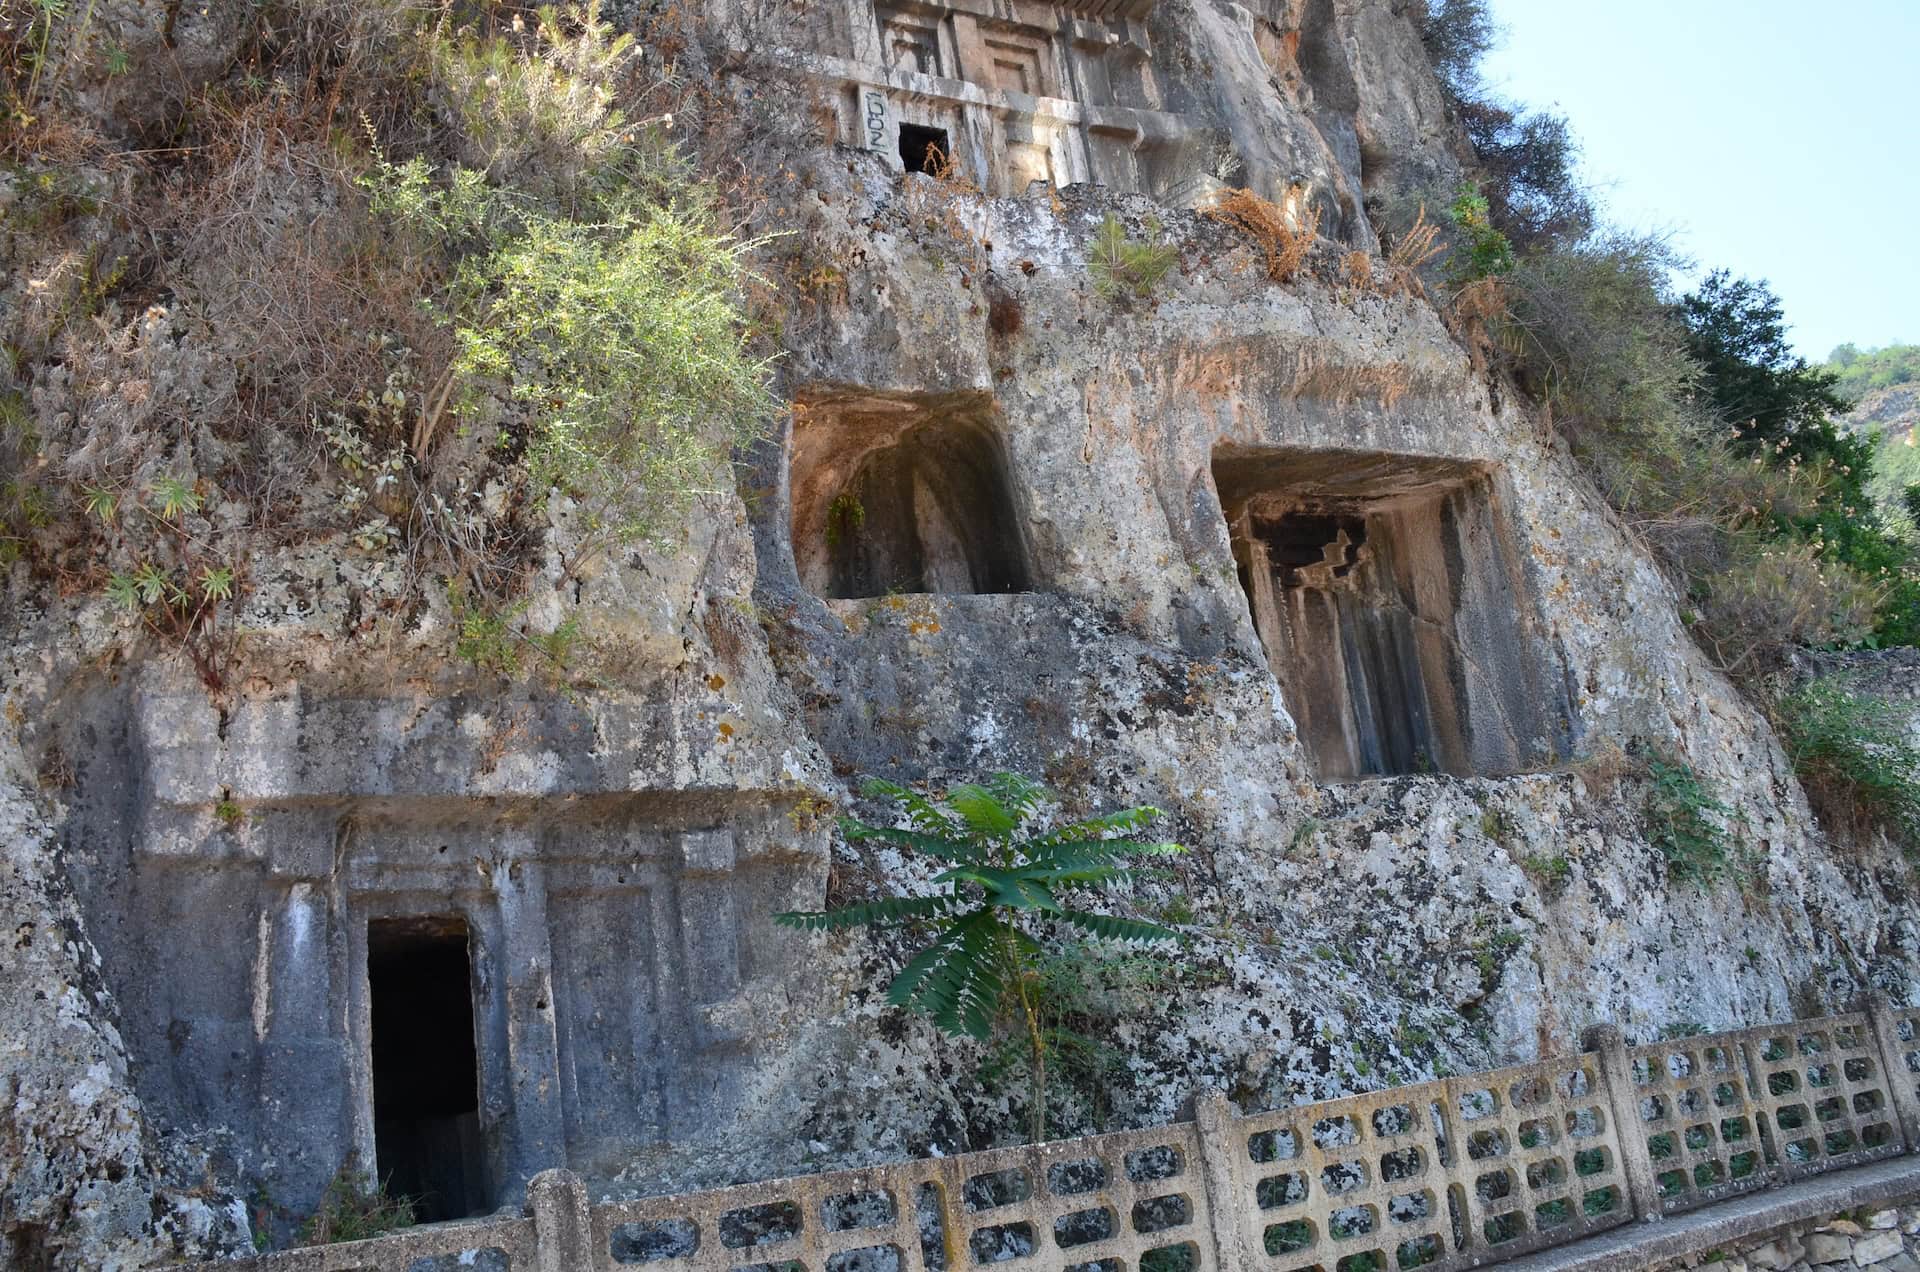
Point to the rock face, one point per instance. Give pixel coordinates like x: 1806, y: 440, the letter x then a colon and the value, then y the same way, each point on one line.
x: 1892, y: 415
x: 1276, y: 557
x: 1887, y: 1243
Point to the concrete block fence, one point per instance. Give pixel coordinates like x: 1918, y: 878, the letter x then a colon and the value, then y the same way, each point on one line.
x: 1456, y: 1173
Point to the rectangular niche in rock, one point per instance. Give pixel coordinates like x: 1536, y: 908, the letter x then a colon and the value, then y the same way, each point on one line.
x: 924, y: 149
x: 426, y: 1102
x: 903, y: 493
x: 1390, y: 597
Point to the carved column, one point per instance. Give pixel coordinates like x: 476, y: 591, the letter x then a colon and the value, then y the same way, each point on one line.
x: 533, y: 1040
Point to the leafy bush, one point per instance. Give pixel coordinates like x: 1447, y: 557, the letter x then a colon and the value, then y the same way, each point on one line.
x: 1685, y: 821
x: 984, y: 971
x: 542, y: 116
x: 1859, y: 765
x: 584, y: 277
x: 1123, y: 267
x: 1485, y: 251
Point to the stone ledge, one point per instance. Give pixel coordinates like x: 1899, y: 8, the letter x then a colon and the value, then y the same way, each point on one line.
x: 1642, y: 1245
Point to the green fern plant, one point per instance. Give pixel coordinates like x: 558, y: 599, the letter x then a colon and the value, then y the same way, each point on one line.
x: 983, y: 970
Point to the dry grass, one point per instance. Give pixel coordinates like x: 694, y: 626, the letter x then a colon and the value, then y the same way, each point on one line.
x: 945, y: 201
x: 1773, y: 597
x: 1411, y: 252
x: 1606, y: 769
x: 1282, y: 238
x: 1419, y: 246
x: 279, y: 250
x: 1478, y: 309
x: 1357, y: 269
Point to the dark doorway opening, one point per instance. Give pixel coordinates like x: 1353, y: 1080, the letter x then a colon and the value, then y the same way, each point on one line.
x: 426, y: 1104
x: 924, y: 149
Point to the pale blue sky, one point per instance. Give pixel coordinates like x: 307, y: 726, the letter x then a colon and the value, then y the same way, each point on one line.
x: 1779, y: 140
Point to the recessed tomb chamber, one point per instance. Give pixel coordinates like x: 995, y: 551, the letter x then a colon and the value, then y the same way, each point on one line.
x: 903, y: 493
x: 426, y: 1101
x: 1389, y: 595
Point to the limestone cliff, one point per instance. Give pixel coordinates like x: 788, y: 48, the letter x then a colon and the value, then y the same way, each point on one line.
x: 1281, y: 558
x: 1892, y: 416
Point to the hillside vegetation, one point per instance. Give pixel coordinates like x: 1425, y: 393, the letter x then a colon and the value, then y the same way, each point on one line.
x: 1720, y: 446
x: 1787, y: 524
x: 1882, y: 388
x: 429, y: 281
x: 1858, y: 372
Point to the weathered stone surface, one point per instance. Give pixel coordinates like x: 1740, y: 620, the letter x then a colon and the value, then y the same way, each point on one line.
x: 190, y: 879
x: 1828, y: 1247
x: 1877, y: 1248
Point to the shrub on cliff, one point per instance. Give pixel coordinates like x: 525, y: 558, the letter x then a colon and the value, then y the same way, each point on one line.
x: 1590, y: 332
x: 1780, y: 410
x: 397, y: 276
x: 1710, y: 440
x: 1692, y: 413
x: 1860, y: 767
x: 985, y: 972
x: 1526, y: 158
x: 588, y: 284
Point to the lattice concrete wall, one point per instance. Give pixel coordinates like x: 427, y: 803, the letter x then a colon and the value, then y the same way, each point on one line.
x: 1433, y: 1174
x: 1457, y: 1173
x: 1899, y: 1033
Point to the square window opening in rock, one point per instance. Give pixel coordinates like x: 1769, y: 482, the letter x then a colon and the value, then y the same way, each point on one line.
x: 426, y: 1100
x: 924, y: 149
x: 1390, y: 595
x: 903, y: 493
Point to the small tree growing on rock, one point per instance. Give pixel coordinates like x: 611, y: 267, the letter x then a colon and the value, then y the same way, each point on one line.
x: 982, y: 971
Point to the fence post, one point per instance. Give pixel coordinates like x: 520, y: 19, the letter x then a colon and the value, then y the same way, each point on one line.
x: 1893, y: 1064
x: 562, y: 1222
x: 1609, y: 1049
x: 1226, y: 1205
